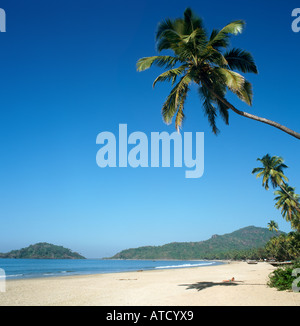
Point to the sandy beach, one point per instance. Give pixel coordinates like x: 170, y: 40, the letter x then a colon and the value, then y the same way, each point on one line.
x: 199, y: 286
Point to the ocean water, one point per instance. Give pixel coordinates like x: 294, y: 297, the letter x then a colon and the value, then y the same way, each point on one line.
x: 32, y: 268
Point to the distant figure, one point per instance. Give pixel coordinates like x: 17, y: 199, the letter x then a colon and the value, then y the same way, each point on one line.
x: 229, y: 280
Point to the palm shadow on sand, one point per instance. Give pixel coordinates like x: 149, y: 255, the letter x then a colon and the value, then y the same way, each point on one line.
x: 203, y: 285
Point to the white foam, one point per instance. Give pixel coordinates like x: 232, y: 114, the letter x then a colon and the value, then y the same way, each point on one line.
x: 184, y: 265
x: 14, y: 275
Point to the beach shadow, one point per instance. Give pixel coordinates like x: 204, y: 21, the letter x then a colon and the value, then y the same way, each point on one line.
x: 204, y: 285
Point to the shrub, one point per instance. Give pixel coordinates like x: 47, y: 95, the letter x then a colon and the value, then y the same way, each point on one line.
x: 282, y: 278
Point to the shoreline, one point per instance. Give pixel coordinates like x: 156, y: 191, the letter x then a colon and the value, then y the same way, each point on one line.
x: 196, y: 286
x: 65, y: 273
x: 44, y: 277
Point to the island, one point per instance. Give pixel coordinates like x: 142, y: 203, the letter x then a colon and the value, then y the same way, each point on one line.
x: 42, y: 250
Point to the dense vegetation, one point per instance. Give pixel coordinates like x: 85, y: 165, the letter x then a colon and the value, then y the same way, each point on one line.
x: 286, y: 277
x: 43, y: 250
x: 284, y: 247
x: 272, y: 173
x: 246, y: 243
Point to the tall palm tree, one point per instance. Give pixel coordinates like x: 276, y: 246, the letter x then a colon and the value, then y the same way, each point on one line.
x: 272, y: 171
x: 289, y: 209
x: 207, y: 62
x: 273, y: 226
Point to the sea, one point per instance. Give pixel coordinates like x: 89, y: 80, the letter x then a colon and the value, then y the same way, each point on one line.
x: 35, y: 268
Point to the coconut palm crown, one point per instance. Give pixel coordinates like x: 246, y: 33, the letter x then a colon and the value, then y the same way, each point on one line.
x: 273, y: 226
x: 288, y: 202
x: 205, y: 60
x: 271, y: 171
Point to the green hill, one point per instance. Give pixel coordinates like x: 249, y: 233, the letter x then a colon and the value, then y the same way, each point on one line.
x: 217, y: 247
x: 43, y: 250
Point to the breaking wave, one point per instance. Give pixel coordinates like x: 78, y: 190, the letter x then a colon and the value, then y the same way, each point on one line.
x: 184, y: 265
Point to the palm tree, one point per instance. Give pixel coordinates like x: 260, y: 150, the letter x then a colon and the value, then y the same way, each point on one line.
x: 201, y: 60
x: 273, y: 226
x: 289, y: 209
x: 272, y: 171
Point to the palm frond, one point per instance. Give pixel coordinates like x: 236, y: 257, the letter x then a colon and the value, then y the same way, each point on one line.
x: 161, y: 61
x: 171, y: 74
x: 260, y: 174
x: 218, y: 43
x: 212, y: 55
x: 234, y: 28
x: 255, y: 170
x: 220, y: 90
x: 192, y: 21
x: 265, y: 180
x: 223, y: 110
x: 178, y: 33
x: 169, y: 39
x: 240, y: 60
x: 196, y: 38
x: 174, y: 100
x: 220, y: 38
x: 209, y: 108
x: 245, y: 93
x: 163, y: 26
x: 233, y: 80
x: 180, y: 115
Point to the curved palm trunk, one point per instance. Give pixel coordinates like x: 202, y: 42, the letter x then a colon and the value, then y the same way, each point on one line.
x: 254, y: 117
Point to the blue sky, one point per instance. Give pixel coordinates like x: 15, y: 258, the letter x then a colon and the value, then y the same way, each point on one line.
x: 68, y: 73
